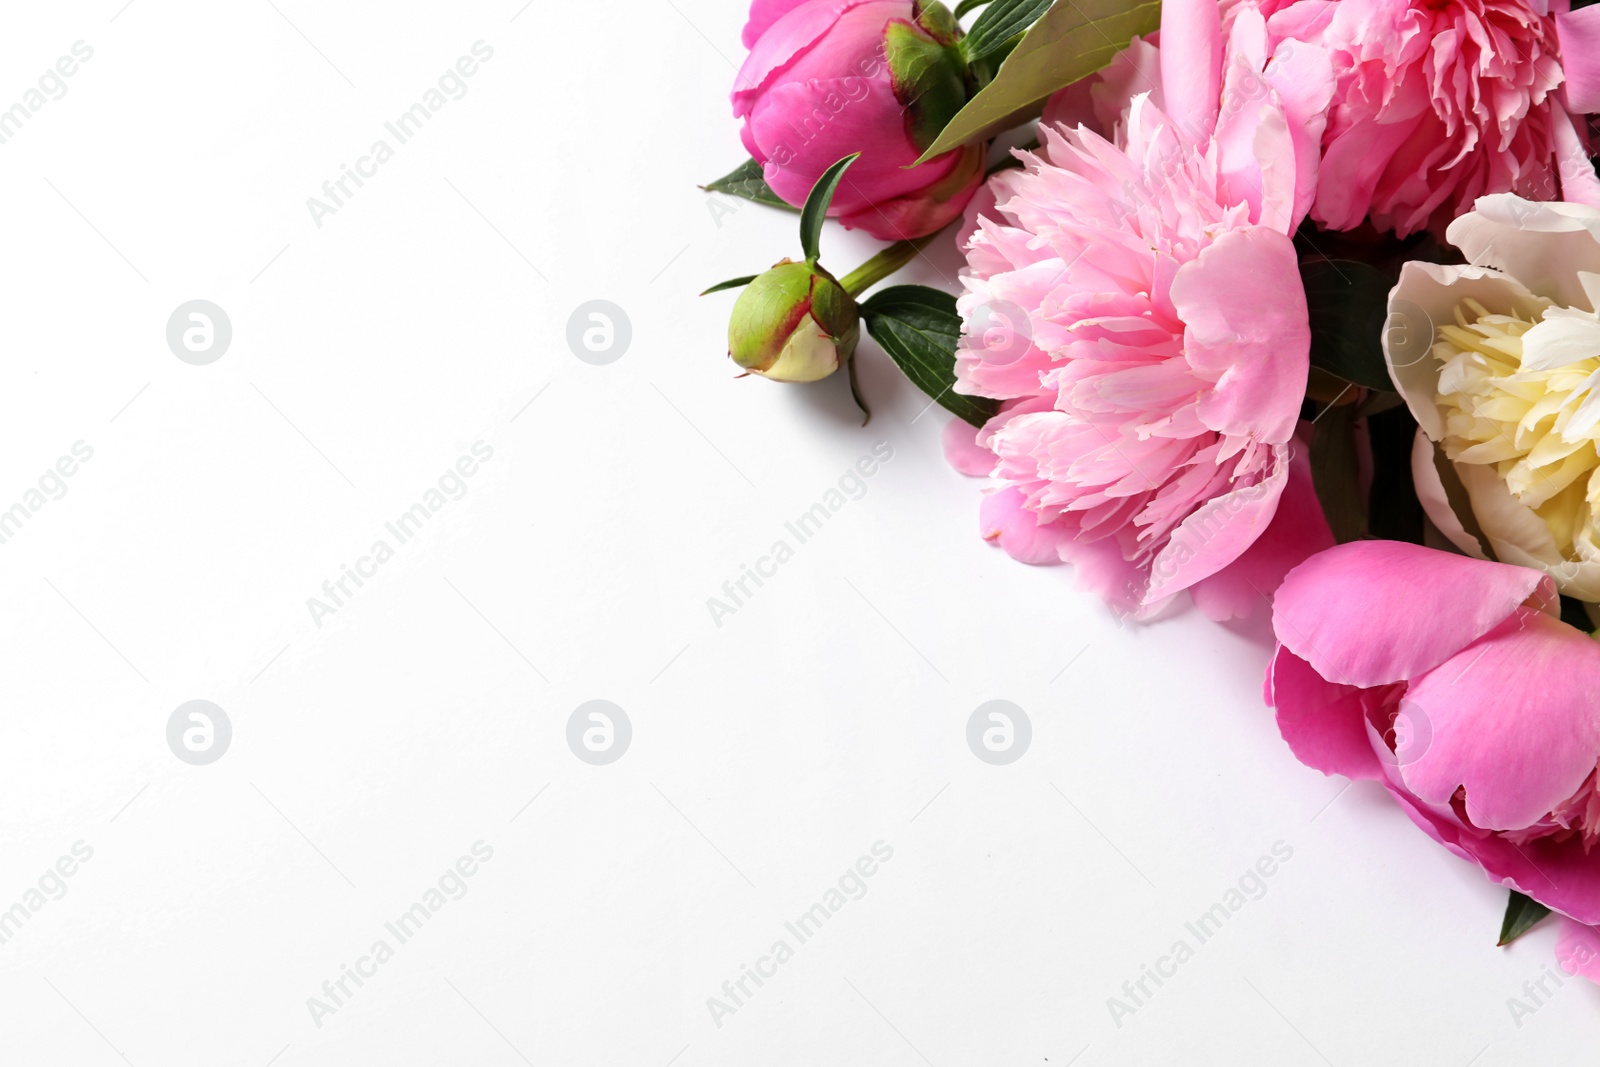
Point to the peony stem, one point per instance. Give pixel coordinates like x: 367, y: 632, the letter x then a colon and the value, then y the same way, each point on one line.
x: 883, y: 264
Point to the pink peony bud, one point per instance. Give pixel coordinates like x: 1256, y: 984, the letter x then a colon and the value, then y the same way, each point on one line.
x: 826, y: 78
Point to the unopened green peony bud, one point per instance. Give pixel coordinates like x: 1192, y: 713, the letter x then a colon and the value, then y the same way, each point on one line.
x: 795, y: 323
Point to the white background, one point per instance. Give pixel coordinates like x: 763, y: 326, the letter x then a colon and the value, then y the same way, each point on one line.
x: 768, y: 754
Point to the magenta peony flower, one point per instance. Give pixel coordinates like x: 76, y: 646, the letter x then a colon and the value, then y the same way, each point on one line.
x: 1138, y: 305
x: 826, y: 78
x: 1439, y: 102
x: 1449, y: 680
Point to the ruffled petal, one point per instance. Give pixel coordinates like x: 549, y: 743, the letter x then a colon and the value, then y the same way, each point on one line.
x: 1246, y: 329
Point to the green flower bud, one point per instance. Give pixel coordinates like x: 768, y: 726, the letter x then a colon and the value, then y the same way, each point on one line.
x: 794, y: 323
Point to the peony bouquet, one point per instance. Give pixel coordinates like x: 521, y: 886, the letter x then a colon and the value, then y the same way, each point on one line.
x: 1280, y: 305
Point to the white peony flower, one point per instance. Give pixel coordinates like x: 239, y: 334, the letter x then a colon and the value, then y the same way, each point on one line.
x: 1500, y: 363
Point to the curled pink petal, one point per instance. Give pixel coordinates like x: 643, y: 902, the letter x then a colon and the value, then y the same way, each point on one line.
x: 1416, y: 608
x: 1297, y: 532
x: 1003, y: 520
x: 962, y: 451
x: 1324, y: 722
x: 1513, y: 718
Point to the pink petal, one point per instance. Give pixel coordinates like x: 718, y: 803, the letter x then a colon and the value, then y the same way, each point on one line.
x: 1297, y: 532
x: 1246, y: 329
x: 1579, y: 32
x: 1579, y: 184
x: 1558, y: 874
x: 1218, y: 532
x: 1513, y: 717
x: 763, y: 13
x: 1004, y: 520
x: 1323, y: 722
x: 924, y: 210
x: 1191, y: 64
x: 871, y: 123
x: 1578, y: 947
x: 962, y: 451
x: 1374, y: 612
x: 803, y: 29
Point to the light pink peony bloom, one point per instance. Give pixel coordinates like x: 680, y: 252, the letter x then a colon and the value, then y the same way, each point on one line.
x: 1138, y: 305
x: 1449, y: 680
x: 826, y: 78
x: 1440, y: 102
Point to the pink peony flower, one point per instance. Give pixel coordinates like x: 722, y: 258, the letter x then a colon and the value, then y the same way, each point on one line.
x: 1449, y: 680
x: 1138, y: 305
x: 826, y: 78
x: 1439, y: 102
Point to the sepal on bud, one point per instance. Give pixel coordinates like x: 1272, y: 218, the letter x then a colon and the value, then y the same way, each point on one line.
x: 929, y: 74
x: 795, y: 323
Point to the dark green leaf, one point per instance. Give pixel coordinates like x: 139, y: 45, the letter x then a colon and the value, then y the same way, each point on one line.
x: 1521, y: 915
x: 1393, y: 511
x: 816, y: 208
x: 731, y: 283
x: 746, y: 181
x: 1573, y: 613
x: 1001, y: 21
x: 968, y: 5
x: 1074, y: 39
x: 1336, y: 472
x: 1349, y: 304
x: 919, y: 328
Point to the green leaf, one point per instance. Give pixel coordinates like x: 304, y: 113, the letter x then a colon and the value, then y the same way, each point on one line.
x: 1349, y: 306
x: 816, y: 208
x: 1573, y: 613
x: 968, y: 5
x: 1393, y: 511
x: 1521, y: 915
x: 731, y: 283
x: 919, y: 328
x: 1001, y: 21
x: 1336, y: 472
x: 1074, y: 39
x: 746, y: 181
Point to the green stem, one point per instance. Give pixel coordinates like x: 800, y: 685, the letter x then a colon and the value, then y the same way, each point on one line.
x: 882, y: 265
x: 855, y: 391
